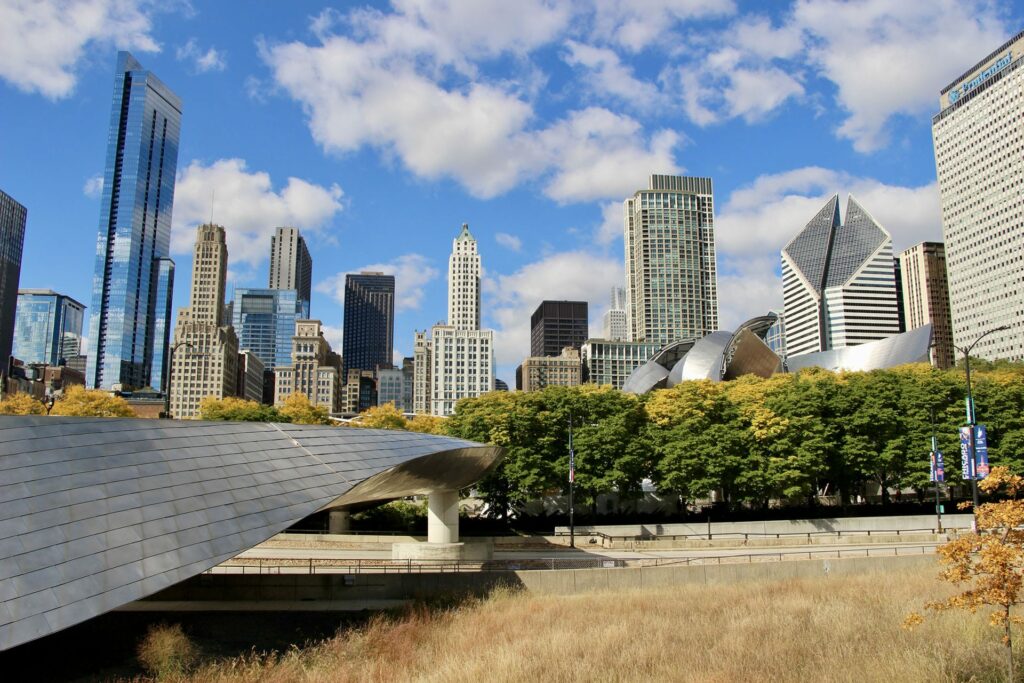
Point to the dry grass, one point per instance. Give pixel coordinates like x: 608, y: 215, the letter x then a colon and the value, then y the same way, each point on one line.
x: 830, y: 629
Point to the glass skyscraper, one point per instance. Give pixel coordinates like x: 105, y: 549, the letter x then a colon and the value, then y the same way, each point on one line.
x: 369, y: 325
x: 129, y: 322
x: 12, y: 241
x: 264, y: 320
x: 48, y: 327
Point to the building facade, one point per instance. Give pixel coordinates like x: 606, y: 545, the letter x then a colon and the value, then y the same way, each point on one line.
x: 926, y: 297
x: 264, y: 320
x: 671, y: 272
x: 611, y: 362
x: 563, y: 370
x: 462, y: 366
x: 133, y: 277
x: 315, y: 370
x: 556, y: 325
x: 291, y: 266
x: 250, y: 376
x: 12, y: 242
x: 978, y: 139
x: 391, y: 388
x: 369, y: 323
x: 408, y: 379
x: 464, y: 282
x: 775, y: 338
x: 48, y: 327
x: 422, y: 362
x: 839, y: 286
x: 615, y: 325
x: 205, y: 353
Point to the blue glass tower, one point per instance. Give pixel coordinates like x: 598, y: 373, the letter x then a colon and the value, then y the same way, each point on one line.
x: 264, y: 320
x: 47, y: 327
x: 12, y: 241
x: 129, y: 322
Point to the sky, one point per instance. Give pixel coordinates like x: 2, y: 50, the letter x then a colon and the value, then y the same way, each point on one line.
x: 379, y: 128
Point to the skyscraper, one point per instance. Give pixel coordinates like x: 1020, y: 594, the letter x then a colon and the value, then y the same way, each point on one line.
x: 133, y: 277
x: 264, y: 320
x: 839, y: 287
x: 314, y: 370
x: 369, y: 324
x: 205, y: 353
x: 290, y: 264
x: 926, y: 297
x: 615, y: 328
x: 48, y: 327
x: 671, y: 276
x: 978, y: 139
x: 12, y: 241
x: 464, y: 282
x: 556, y: 325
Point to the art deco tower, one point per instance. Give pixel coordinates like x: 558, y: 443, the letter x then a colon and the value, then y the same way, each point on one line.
x: 464, y: 282
x: 133, y: 276
x: 291, y: 266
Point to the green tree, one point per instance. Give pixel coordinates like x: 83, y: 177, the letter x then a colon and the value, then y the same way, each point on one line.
x: 81, y: 402
x: 427, y: 424
x: 21, y: 404
x: 237, y: 410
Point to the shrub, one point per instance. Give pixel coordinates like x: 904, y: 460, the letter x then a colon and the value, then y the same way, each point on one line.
x: 166, y: 651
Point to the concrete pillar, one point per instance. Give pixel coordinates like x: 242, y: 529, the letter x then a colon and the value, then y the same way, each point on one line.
x: 337, y: 521
x: 443, y: 517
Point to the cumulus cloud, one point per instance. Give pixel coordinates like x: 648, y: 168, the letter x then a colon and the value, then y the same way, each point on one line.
x: 43, y: 41
x: 202, y: 61
x: 638, y: 24
x: 93, y: 186
x: 606, y: 76
x: 412, y: 273
x: 611, y: 226
x: 247, y: 205
x: 508, y: 241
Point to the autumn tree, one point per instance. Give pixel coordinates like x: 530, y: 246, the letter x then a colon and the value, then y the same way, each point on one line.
x: 427, y: 424
x: 21, y: 404
x: 237, y: 410
x: 297, y: 408
x: 386, y: 416
x: 81, y: 402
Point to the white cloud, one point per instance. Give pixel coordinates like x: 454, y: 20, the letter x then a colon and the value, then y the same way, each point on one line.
x: 248, y: 207
x: 747, y: 287
x: 607, y: 76
x: 611, y: 227
x: 42, y: 41
x: 412, y: 273
x: 334, y: 336
x: 574, y: 275
x: 508, y: 241
x: 93, y: 187
x: 210, y: 60
x: 638, y: 24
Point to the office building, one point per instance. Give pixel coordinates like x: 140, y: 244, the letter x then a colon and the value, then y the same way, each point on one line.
x: 359, y: 391
x: 897, y: 269
x: 12, y: 241
x: 464, y: 282
x: 671, y: 276
x: 133, y: 277
x: 500, y: 385
x: 563, y: 370
x: 611, y: 362
x: 839, y: 287
x: 775, y: 338
x: 264, y: 320
x: 615, y: 327
x: 422, y: 362
x: 391, y: 387
x: 926, y: 297
x: 290, y: 264
x: 314, y: 371
x: 369, y: 324
x: 462, y: 366
x: 251, y: 376
x: 204, y: 356
x: 408, y: 379
x: 978, y: 140
x: 48, y: 327
x: 556, y: 325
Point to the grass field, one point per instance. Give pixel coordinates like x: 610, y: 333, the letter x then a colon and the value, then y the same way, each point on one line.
x: 829, y: 629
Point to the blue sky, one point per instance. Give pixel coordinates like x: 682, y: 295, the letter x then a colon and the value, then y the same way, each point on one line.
x: 379, y: 128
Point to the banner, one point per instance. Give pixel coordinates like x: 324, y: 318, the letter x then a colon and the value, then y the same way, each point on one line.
x: 966, y: 466
x: 938, y: 470
x: 572, y: 466
x: 981, y: 450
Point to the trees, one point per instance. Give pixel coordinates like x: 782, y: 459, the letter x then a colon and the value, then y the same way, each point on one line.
x: 21, y: 404
x: 386, y: 416
x: 297, y: 408
x: 237, y: 410
x: 81, y: 402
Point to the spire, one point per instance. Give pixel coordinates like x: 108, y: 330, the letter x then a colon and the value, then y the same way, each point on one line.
x: 465, y: 234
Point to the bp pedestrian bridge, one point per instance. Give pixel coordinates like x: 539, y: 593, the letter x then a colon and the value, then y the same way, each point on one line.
x: 96, y: 513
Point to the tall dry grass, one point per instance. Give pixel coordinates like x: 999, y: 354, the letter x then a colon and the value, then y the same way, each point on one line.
x: 829, y: 629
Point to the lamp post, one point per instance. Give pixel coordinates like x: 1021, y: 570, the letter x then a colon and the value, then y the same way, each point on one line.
x: 935, y: 472
x: 572, y: 479
x: 972, y: 454
x: 170, y: 372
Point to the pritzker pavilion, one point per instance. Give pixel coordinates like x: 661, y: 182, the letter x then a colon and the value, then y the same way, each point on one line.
x: 96, y: 513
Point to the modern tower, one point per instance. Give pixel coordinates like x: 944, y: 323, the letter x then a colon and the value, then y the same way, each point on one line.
x: 464, y: 282
x: 133, y: 278
x: 264, y: 320
x: 839, y: 286
x: 926, y: 297
x: 205, y: 353
x: 291, y: 266
x: 978, y: 139
x: 615, y: 328
x: 556, y: 325
x: 48, y: 327
x: 369, y: 324
x: 12, y: 241
x: 671, y: 276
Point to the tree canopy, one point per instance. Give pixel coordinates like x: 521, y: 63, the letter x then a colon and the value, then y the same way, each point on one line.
x: 81, y: 402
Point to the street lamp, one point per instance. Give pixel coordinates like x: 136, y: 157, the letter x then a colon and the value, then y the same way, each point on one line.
x: 170, y: 372
x: 572, y: 479
x: 972, y: 454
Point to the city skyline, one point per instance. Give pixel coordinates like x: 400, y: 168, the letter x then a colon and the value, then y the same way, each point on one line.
x: 260, y: 147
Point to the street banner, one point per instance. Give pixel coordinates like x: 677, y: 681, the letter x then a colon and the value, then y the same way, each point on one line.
x: 966, y: 466
x: 572, y: 466
x: 981, y: 450
x: 938, y: 470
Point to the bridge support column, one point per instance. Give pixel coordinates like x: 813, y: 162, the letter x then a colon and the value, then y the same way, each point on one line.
x: 443, y: 517
x: 443, y: 534
x: 338, y: 522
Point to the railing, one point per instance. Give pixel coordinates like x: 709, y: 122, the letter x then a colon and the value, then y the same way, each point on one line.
x: 370, y: 566
x: 747, y: 535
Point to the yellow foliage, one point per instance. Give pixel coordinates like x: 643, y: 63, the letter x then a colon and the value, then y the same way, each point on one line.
x: 21, y: 404
x: 686, y: 400
x: 386, y: 416
x: 427, y: 424
x: 81, y: 402
x: 299, y: 410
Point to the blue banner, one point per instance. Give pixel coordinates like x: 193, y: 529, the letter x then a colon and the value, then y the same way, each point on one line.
x: 966, y: 465
x: 981, y: 450
x: 938, y: 470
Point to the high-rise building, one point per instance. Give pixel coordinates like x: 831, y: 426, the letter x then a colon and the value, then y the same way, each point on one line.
x: 408, y: 379
x: 500, y: 385
x: 671, y: 276
x: 290, y: 264
x: 315, y: 370
x: 264, y: 320
x: 775, y: 337
x: 563, y: 370
x: 12, y: 241
x: 979, y: 162
x: 464, y: 282
x: 369, y: 324
x: 838, y: 283
x: 926, y: 297
x: 391, y: 387
x: 615, y: 327
x: 422, y: 381
x: 359, y: 391
x: 251, y: 373
x: 611, y: 362
x: 463, y: 366
x: 204, y: 358
x: 556, y: 325
x: 48, y: 327
x: 133, y: 278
